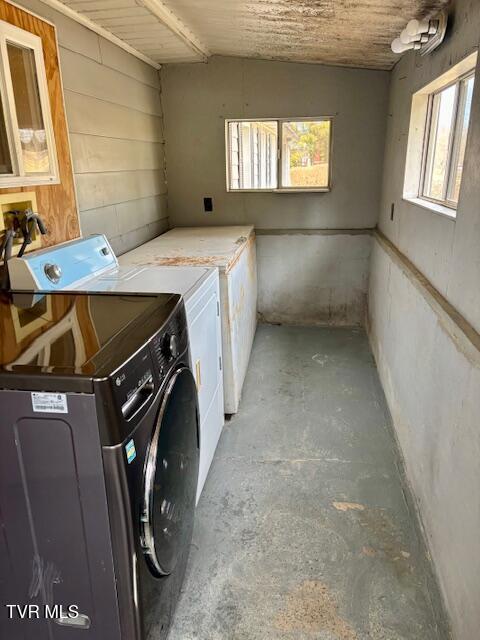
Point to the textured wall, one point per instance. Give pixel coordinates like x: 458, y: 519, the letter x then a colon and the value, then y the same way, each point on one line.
x: 431, y: 377
x: 197, y: 98
x: 324, y: 282
x: 445, y: 250
x: 429, y: 371
x: 114, y: 118
x: 302, y: 278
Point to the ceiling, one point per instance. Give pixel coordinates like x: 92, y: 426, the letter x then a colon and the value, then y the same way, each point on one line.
x: 341, y: 32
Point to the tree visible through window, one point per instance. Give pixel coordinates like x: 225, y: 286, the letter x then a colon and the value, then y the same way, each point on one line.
x: 306, y: 154
x: 274, y: 155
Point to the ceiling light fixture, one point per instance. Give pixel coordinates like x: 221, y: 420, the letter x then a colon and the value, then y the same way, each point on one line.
x: 422, y: 35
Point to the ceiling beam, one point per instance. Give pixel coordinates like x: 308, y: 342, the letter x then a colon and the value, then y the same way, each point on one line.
x: 172, y: 22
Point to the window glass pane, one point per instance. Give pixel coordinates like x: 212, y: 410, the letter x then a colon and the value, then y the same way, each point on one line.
x: 464, y: 109
x: 29, y: 111
x: 252, y: 149
x: 436, y: 168
x: 305, y: 154
x: 5, y: 159
x: 252, y: 154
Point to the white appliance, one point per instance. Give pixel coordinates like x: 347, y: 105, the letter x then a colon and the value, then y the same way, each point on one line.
x: 232, y: 250
x: 90, y: 265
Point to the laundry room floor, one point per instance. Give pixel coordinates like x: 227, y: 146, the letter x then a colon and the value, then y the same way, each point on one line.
x: 306, y: 529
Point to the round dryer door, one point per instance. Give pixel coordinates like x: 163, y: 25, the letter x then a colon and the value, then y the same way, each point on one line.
x: 170, y: 477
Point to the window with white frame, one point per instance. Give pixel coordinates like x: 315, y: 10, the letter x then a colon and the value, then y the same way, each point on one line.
x: 437, y: 141
x: 27, y: 143
x: 279, y: 155
x: 449, y: 117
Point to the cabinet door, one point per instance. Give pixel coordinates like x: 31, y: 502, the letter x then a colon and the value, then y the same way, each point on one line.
x: 204, y: 327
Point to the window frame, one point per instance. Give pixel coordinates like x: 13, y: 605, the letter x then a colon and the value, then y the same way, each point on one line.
x: 455, y: 134
x: 10, y: 33
x: 279, y: 188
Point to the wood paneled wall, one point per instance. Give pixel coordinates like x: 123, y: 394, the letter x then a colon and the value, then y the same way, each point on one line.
x: 56, y: 203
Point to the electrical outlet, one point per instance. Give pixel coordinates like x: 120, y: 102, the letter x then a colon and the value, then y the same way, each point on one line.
x: 208, y: 204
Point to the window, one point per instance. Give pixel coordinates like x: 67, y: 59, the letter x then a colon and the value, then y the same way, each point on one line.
x: 27, y: 144
x: 437, y: 139
x: 278, y: 155
x: 446, y: 141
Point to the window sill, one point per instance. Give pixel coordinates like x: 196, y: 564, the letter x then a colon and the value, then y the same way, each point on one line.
x: 16, y: 182
x: 303, y: 190
x: 287, y: 190
x: 451, y: 214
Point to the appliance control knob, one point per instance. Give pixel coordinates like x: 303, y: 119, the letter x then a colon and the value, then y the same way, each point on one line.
x: 53, y: 272
x: 170, y: 345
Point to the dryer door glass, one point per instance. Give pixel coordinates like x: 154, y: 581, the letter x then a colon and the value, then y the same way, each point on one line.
x: 170, y: 478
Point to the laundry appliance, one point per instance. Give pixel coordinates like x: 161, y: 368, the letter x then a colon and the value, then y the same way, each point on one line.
x: 100, y: 451
x: 232, y: 249
x: 89, y: 264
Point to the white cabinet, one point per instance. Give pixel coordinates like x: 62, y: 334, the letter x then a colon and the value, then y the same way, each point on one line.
x: 202, y: 310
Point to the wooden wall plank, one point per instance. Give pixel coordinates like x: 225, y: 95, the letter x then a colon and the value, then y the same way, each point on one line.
x: 95, y: 154
x: 137, y: 218
x: 98, y: 190
x: 86, y: 76
x: 135, y: 238
x: 122, y: 61
x: 100, y: 220
x: 141, y: 213
x: 96, y: 117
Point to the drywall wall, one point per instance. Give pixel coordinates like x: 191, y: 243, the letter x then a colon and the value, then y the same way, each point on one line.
x: 197, y: 98
x: 114, y: 116
x: 430, y: 372
x: 447, y: 251
x: 432, y: 383
x: 326, y: 284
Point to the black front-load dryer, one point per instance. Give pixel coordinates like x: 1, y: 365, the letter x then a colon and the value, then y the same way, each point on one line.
x: 99, y: 441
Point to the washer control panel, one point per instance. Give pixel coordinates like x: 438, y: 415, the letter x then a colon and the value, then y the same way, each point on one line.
x: 168, y: 344
x: 135, y: 384
x: 53, y: 272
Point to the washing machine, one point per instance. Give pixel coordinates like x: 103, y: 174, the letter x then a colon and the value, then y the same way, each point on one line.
x: 90, y: 265
x: 99, y: 439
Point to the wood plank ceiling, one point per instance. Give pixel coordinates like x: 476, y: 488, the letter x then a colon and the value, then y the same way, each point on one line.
x: 340, y: 32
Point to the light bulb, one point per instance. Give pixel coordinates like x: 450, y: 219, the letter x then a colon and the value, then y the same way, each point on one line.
x: 406, y: 38
x: 415, y: 27
x: 400, y: 47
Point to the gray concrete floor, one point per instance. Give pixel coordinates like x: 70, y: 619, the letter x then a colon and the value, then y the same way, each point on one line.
x: 305, y: 528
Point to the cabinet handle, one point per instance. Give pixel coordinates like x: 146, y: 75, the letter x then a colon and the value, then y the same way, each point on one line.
x: 198, y: 374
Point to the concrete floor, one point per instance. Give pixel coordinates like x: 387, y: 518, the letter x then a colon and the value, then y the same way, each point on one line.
x: 305, y: 528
